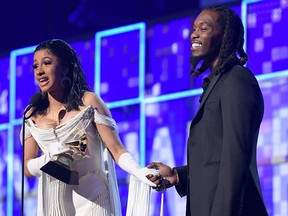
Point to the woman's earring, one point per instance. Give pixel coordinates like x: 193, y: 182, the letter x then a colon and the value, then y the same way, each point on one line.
x: 65, y: 81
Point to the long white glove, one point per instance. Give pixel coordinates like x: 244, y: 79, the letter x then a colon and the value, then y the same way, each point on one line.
x: 128, y: 163
x: 35, y: 164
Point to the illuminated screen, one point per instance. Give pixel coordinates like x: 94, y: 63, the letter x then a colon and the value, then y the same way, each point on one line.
x: 4, y: 90
x: 272, y: 145
x: 167, y: 68
x: 266, y: 37
x: 3, y: 170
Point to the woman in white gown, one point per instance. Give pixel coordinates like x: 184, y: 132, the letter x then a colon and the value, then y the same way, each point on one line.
x: 69, y: 112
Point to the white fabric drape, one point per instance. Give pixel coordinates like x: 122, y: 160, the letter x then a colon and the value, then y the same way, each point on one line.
x: 97, y: 192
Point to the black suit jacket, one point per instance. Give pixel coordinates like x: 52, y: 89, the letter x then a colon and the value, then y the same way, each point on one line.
x: 221, y: 178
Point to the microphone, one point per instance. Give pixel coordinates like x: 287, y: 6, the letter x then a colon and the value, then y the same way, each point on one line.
x: 35, y: 102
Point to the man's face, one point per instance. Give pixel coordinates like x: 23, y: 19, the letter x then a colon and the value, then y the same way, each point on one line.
x: 206, y: 36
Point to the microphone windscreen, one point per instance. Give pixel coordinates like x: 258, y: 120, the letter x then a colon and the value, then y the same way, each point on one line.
x: 36, y: 100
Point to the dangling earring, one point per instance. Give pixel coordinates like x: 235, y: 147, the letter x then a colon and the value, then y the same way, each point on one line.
x: 65, y: 81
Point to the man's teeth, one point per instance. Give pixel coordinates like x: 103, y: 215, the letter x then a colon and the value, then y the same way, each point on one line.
x: 196, y: 45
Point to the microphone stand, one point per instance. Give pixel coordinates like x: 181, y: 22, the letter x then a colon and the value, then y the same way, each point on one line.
x: 23, y: 155
x: 23, y: 161
x: 35, y: 101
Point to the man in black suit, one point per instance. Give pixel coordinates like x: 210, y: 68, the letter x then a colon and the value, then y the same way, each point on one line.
x: 221, y: 177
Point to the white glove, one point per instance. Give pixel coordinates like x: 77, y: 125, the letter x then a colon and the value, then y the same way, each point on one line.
x: 35, y: 164
x: 128, y: 163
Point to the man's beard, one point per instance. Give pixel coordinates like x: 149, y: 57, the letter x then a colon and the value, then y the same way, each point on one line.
x: 198, y: 65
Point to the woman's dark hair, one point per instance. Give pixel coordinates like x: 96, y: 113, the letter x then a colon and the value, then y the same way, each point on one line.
x: 231, y: 51
x: 75, y: 88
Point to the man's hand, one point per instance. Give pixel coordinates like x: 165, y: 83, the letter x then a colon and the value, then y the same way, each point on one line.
x: 168, y: 177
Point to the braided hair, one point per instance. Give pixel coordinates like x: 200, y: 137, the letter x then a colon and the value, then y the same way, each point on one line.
x: 75, y: 88
x: 231, y: 51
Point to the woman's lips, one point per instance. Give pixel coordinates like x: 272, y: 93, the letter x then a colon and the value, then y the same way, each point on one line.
x: 43, y: 81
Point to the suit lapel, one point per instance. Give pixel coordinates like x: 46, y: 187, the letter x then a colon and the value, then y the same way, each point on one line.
x: 207, y: 92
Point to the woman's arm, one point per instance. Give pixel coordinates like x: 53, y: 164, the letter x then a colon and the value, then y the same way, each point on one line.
x: 30, y: 152
x: 112, y: 141
x: 109, y: 137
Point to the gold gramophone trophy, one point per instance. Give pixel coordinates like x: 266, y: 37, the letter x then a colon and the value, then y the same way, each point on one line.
x: 60, y: 165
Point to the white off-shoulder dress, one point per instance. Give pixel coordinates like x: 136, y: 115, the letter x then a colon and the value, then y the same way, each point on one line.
x: 97, y: 192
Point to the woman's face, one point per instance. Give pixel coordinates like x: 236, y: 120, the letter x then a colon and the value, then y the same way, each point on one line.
x: 48, y: 71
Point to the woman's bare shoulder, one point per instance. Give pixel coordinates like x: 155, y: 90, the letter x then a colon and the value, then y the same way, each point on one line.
x: 91, y: 98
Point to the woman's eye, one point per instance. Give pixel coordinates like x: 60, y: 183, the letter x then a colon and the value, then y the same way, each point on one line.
x: 47, y: 63
x: 35, y: 66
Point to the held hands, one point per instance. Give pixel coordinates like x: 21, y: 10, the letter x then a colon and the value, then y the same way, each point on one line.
x: 168, y: 177
x: 128, y: 163
x: 143, y: 173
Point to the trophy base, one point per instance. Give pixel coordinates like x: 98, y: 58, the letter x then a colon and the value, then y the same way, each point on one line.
x: 60, y: 171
